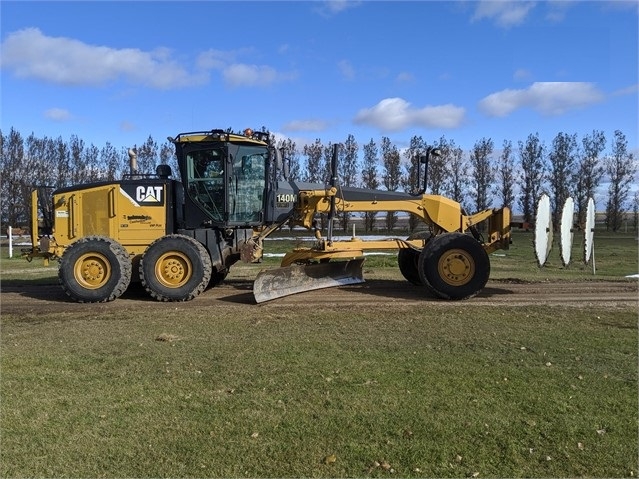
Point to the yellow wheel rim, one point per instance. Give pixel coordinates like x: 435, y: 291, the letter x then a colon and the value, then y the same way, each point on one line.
x: 92, y: 270
x: 173, y: 269
x: 456, y: 267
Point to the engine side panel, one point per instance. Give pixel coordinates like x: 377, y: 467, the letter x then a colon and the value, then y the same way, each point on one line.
x: 132, y: 212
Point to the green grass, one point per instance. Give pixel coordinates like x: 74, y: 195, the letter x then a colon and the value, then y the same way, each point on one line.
x: 239, y: 390
x: 443, y: 392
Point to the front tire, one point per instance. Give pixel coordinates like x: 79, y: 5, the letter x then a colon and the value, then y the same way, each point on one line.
x: 95, y: 269
x: 175, y: 268
x: 454, y: 266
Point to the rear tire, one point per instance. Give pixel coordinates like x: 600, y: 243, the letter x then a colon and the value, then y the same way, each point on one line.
x: 454, y: 266
x: 175, y: 268
x: 408, y: 259
x: 95, y: 269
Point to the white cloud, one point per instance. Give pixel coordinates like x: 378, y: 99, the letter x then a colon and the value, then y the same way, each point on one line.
x: 505, y: 13
x: 214, y: 59
x: 547, y: 98
x: 57, y: 114
x: 395, y: 114
x: 306, y: 125
x: 31, y: 54
x: 254, y: 75
x: 238, y: 74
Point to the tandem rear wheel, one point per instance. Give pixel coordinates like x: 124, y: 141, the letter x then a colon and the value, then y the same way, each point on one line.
x: 175, y: 268
x: 454, y: 266
x: 95, y: 269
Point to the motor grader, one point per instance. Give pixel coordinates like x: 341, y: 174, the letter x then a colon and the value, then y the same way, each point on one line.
x: 180, y: 237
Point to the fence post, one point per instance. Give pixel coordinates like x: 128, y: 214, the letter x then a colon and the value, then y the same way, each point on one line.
x: 10, y: 235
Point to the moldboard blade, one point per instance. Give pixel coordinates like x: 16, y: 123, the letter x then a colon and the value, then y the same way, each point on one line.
x: 276, y: 283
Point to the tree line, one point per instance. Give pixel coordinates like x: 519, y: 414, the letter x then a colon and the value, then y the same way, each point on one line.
x: 479, y: 178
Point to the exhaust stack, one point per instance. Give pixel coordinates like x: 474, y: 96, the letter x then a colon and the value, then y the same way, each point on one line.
x: 133, y: 161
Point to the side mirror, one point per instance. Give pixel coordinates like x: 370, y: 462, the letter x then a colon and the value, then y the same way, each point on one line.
x: 278, y: 158
x: 282, y: 163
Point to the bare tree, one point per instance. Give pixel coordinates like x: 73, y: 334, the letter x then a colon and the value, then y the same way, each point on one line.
x: 370, y: 179
x: 482, y: 173
x: 91, y: 160
x: 39, y: 160
x: 110, y: 161
x: 313, y: 153
x: 505, y: 176
x: 147, y: 156
x: 458, y: 180
x: 62, y: 162
x: 392, y: 176
x: 78, y: 167
x: 11, y: 196
x: 412, y: 178
x: 621, y: 168
x: 347, y: 170
x: 533, y: 171
x: 563, y: 160
x: 168, y: 157
x: 589, y: 172
x: 438, y: 172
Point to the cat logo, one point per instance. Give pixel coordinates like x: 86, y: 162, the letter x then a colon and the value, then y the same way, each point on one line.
x: 148, y: 194
x: 143, y: 195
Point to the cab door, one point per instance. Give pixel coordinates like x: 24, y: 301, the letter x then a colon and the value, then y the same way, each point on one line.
x: 247, y: 183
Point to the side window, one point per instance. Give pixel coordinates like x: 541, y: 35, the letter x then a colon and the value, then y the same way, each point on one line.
x: 206, y: 181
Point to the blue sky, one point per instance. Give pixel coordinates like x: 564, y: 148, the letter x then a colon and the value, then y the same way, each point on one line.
x: 120, y: 71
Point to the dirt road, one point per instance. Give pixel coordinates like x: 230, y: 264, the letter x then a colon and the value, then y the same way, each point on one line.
x: 376, y: 292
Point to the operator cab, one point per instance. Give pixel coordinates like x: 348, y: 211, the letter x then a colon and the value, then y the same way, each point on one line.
x: 224, y: 177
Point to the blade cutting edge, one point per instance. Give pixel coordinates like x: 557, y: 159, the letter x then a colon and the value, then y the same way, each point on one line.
x: 285, y: 281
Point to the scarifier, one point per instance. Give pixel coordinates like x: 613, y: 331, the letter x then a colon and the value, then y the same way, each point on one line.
x: 180, y: 237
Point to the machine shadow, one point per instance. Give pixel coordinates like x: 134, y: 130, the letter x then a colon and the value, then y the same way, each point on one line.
x: 38, y: 291
x: 378, y: 288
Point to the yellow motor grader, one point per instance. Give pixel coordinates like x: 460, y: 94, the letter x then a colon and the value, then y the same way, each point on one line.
x: 180, y: 237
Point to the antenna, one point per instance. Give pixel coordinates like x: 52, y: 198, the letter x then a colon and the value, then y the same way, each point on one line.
x: 566, y: 231
x: 589, y: 234
x: 543, y: 230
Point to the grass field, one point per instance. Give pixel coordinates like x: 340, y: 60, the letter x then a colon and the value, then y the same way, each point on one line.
x: 374, y: 391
